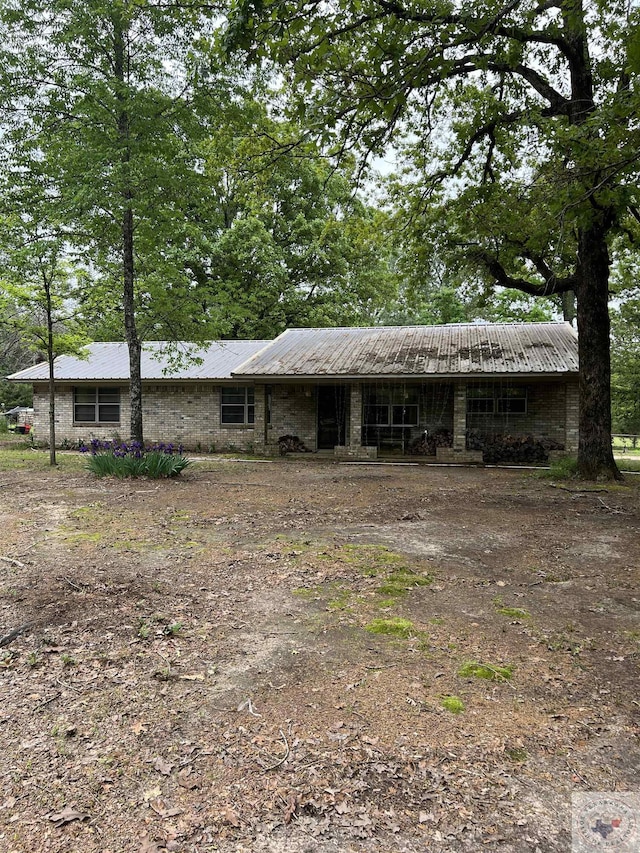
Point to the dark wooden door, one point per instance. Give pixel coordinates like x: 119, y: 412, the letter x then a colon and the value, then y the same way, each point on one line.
x: 332, y: 415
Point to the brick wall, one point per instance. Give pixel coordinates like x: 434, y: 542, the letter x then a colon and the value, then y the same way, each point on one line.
x: 293, y: 412
x: 190, y: 414
x: 546, y: 415
x: 184, y: 414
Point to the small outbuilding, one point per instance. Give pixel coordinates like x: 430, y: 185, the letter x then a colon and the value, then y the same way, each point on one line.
x: 462, y: 392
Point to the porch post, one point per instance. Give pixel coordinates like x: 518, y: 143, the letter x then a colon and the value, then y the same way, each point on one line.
x: 571, y: 431
x: 460, y: 417
x: 355, y: 415
x: 260, y: 418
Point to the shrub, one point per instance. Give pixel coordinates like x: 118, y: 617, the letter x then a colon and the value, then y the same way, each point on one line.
x: 119, y: 459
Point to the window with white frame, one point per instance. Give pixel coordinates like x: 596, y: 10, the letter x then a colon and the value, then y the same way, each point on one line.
x: 237, y: 405
x: 96, y: 405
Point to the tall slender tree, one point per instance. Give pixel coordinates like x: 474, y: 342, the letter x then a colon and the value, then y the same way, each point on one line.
x: 105, y: 86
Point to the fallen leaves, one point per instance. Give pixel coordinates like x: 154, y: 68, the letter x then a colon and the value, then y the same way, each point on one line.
x: 68, y: 815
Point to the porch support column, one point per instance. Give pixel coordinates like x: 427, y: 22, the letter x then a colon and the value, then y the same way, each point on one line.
x: 260, y: 418
x: 460, y: 417
x: 571, y: 430
x: 355, y: 415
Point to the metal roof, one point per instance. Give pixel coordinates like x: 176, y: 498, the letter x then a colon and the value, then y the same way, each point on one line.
x: 400, y: 351
x: 160, y: 361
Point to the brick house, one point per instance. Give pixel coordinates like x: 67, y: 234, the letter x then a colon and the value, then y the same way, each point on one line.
x: 354, y: 392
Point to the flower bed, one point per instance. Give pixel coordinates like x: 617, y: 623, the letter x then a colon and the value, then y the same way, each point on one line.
x: 133, y: 459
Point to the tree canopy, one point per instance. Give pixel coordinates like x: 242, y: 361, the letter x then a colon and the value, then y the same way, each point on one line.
x: 517, y: 122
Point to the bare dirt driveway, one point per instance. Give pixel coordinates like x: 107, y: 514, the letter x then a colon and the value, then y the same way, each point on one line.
x: 305, y: 656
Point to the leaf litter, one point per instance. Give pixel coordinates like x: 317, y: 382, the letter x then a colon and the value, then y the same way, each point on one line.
x: 272, y: 720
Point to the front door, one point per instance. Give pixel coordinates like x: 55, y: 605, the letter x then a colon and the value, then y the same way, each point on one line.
x: 332, y: 416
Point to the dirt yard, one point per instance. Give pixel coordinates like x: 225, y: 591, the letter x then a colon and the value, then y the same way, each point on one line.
x: 283, y: 656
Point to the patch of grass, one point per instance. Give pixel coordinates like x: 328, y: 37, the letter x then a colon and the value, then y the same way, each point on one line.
x: 491, y: 672
x: 394, y: 627
x: 511, y: 612
x: 306, y: 593
x: 341, y: 600
x: 452, y: 704
x: 386, y: 602
x: 629, y: 465
x: 565, y: 468
x: 401, y: 581
x: 514, y: 612
x: 32, y: 459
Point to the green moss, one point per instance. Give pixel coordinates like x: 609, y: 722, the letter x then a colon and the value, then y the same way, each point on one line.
x: 386, y: 602
x: 492, y: 672
x: 516, y: 754
x: 306, y: 593
x: 400, y: 582
x: 395, y: 627
x: 514, y: 612
x: 453, y: 704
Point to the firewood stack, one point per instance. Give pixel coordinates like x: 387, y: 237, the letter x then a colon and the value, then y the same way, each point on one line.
x: 426, y: 443
x: 505, y: 449
x: 291, y: 444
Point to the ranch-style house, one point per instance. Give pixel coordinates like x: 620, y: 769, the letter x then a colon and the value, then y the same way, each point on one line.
x: 453, y: 392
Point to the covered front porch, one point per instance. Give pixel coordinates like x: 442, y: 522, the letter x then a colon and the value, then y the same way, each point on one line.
x: 444, y: 420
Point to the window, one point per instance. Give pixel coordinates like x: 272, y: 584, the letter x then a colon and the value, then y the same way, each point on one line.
x: 237, y: 405
x: 500, y: 400
x: 480, y: 400
x: 512, y: 401
x: 93, y: 405
x: 391, y: 406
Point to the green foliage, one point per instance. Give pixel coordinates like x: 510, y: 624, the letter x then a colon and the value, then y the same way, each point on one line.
x: 565, y: 468
x: 625, y: 363
x: 154, y: 464
x: 501, y: 179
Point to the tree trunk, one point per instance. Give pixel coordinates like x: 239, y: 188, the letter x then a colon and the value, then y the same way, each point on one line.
x: 52, y: 384
x: 133, y: 341
x: 595, y: 453
x: 128, y: 266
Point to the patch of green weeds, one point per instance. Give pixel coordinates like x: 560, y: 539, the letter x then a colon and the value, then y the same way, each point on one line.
x: 491, y: 672
x: 172, y: 629
x: 307, y: 593
x: 341, y: 600
x: 565, y: 468
x: 516, y: 754
x: 452, y: 704
x: 398, y: 583
x: 386, y: 602
x: 75, y: 537
x: 394, y: 627
x: 511, y: 612
x: 67, y: 659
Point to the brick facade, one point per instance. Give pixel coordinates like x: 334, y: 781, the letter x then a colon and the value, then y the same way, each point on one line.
x: 186, y: 414
x: 189, y: 413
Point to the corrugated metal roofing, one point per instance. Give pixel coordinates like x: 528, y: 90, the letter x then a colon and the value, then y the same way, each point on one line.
x: 396, y: 351
x: 160, y: 361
